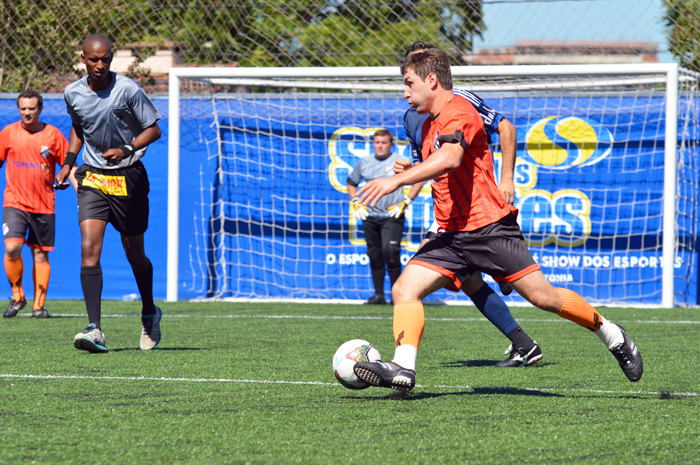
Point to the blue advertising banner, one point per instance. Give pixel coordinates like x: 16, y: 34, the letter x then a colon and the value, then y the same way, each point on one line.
x: 264, y: 209
x: 589, y: 186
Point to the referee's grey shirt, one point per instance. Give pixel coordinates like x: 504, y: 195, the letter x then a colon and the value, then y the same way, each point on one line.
x: 371, y: 168
x: 110, y: 118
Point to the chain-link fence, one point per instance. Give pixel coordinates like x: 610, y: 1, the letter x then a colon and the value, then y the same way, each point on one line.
x: 40, y: 39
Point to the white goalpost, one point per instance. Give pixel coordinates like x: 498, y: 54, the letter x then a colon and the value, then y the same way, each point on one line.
x: 258, y: 159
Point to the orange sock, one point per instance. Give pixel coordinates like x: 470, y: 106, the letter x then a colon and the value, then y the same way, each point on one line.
x: 14, y: 267
x: 41, y: 274
x: 579, y: 311
x: 409, y: 321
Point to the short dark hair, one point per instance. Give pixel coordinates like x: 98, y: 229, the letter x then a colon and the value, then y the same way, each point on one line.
x: 415, y: 46
x: 31, y: 94
x: 429, y: 61
x: 382, y: 133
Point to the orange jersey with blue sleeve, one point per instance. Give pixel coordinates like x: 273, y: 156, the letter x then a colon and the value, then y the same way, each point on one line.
x: 30, y: 166
x: 466, y: 198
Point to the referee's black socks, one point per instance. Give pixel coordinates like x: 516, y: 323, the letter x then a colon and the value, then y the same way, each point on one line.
x: 91, y: 280
x: 144, y: 281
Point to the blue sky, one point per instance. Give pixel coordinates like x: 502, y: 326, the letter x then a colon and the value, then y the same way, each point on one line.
x: 511, y: 20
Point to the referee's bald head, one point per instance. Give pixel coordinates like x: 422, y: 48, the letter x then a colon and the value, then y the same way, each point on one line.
x: 97, y: 41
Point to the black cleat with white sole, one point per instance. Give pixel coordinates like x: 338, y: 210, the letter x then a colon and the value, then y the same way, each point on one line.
x: 386, y: 374
x: 521, y: 357
x: 628, y: 357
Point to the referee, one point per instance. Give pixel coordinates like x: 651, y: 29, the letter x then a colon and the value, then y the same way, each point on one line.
x: 382, y: 224
x: 114, y: 121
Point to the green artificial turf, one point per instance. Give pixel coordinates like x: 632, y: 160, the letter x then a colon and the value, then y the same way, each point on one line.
x: 252, y: 383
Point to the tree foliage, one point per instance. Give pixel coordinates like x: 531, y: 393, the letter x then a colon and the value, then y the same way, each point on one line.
x: 315, y: 33
x: 683, y: 19
x: 40, y: 38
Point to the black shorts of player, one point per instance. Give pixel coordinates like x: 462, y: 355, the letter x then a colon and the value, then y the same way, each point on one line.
x: 41, y: 227
x: 498, y: 250
x: 118, y: 196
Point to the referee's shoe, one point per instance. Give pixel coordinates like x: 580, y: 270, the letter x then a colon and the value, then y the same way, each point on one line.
x: 91, y: 339
x: 150, y: 332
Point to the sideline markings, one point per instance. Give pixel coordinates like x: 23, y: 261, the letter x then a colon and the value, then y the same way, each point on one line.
x: 319, y: 383
x: 338, y: 317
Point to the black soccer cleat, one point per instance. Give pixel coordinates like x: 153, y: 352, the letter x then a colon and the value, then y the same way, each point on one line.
x: 376, y: 300
x: 386, y: 374
x: 521, y: 357
x: 14, y: 307
x: 505, y: 287
x: 628, y: 357
x: 41, y: 313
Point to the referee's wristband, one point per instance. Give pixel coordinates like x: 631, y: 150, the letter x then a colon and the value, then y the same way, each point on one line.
x: 128, y: 150
x: 70, y: 159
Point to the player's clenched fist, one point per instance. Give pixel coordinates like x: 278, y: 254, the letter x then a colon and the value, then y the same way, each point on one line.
x: 401, y: 165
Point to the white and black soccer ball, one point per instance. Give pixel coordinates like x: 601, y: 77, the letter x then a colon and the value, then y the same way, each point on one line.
x: 347, y: 356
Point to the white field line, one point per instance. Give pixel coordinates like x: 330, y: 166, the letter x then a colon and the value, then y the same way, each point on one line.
x: 339, y: 317
x: 438, y: 303
x: 318, y: 383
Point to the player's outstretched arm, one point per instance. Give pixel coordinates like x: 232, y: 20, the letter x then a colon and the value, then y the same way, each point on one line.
x: 415, y: 190
x: 147, y: 137
x: 509, y: 142
x: 447, y: 158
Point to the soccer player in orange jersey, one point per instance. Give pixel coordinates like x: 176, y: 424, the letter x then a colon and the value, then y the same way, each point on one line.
x: 31, y: 149
x: 477, y: 232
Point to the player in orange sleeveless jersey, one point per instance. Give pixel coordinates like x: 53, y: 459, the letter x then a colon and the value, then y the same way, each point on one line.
x: 478, y: 231
x: 31, y: 149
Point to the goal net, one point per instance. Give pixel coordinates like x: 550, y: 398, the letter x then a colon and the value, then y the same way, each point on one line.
x: 605, y: 176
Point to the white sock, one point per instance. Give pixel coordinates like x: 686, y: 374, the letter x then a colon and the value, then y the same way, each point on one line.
x: 405, y: 356
x: 610, y: 334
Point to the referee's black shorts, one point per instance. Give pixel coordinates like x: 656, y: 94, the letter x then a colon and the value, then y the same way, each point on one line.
x: 498, y: 250
x: 118, y: 196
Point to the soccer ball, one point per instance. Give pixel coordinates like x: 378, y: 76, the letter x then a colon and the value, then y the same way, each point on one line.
x: 347, y: 356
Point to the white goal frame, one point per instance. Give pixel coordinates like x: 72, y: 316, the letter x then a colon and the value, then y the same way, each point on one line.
x: 668, y: 74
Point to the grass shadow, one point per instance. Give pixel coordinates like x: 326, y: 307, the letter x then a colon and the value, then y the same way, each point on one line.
x: 485, y: 363
x: 418, y: 395
x: 159, y: 349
